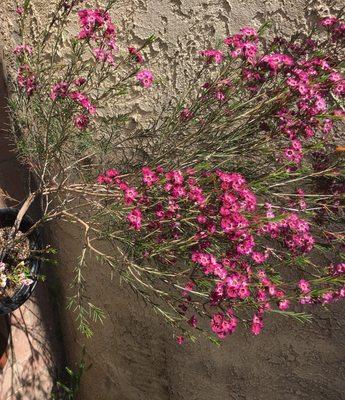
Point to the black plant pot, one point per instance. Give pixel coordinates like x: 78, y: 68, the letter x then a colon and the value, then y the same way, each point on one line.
x: 7, y: 219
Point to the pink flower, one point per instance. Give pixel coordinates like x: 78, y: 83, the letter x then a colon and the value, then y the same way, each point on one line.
x: 219, y: 95
x: 130, y: 194
x: 276, y: 61
x: 306, y: 299
x: 213, y: 55
x: 335, y: 76
x: 338, y: 269
x: 284, y: 304
x: 180, y: 340
x: 220, y: 271
x: 223, y: 325
x: 293, y: 155
x: 145, y: 78
x: 327, y: 126
x: 20, y: 10
x: 327, y: 297
x: 186, y: 114
x: 261, y: 295
x: 109, y: 177
x: 196, y: 194
x: 112, y: 173
x: 329, y: 21
x: 304, y: 286
x: 257, y: 324
x: 136, y: 55
x: 22, y: 49
x: 339, y: 88
x: 101, y: 179
x: 135, y: 218
x: 201, y: 219
x: 149, y: 176
x: 81, y: 121
x: 177, y: 177
x: 250, y: 50
x: 246, y: 247
x: 201, y: 258
x: 259, y: 258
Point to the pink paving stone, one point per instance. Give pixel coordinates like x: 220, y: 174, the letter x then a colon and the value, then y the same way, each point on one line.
x: 30, y: 372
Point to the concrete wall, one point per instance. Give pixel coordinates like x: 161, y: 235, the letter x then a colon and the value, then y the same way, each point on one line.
x: 133, y: 355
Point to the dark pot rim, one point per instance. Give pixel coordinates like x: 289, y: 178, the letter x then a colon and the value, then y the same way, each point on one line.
x: 7, y: 218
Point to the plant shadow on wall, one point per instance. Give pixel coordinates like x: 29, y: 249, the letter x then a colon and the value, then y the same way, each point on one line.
x: 227, y: 207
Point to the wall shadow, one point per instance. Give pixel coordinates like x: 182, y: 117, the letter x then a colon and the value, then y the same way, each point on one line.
x: 35, y: 351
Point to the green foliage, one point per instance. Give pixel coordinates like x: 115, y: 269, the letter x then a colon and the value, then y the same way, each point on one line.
x: 85, y: 311
x: 68, y: 388
x: 300, y: 317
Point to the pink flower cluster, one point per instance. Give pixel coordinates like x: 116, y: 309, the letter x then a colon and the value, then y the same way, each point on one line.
x: 103, y: 56
x: 218, y: 213
x: 224, y: 324
x: 294, y: 230
x: 337, y: 269
x: 213, y: 55
x: 22, y: 49
x: 336, y: 26
x: 310, y: 81
x: 307, y: 77
x: 276, y: 61
x: 302, y: 122
x: 26, y: 79
x: 145, y: 78
x: 257, y: 324
x: 328, y: 295
x: 97, y: 26
x: 63, y: 89
x: 83, y: 100
x: 135, y: 218
x: 244, y: 44
x: 59, y: 90
x: 92, y: 20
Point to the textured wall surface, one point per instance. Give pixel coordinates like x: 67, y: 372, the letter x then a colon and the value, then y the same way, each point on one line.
x: 133, y: 355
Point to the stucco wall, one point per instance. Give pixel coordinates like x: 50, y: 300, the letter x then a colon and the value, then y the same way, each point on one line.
x: 133, y: 355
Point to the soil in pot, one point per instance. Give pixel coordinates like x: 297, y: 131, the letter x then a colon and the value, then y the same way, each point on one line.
x: 14, y: 264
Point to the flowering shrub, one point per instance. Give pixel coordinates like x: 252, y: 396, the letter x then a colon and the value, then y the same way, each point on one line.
x: 202, y: 240
x: 236, y: 212
x: 75, y: 88
x: 255, y: 93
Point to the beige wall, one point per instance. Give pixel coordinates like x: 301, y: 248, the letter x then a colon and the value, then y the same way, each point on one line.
x: 133, y: 355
